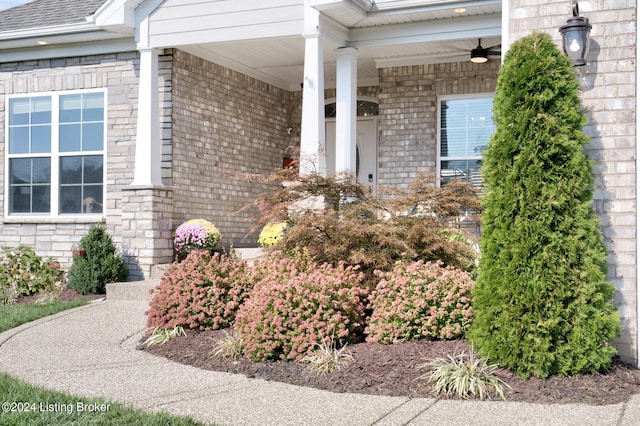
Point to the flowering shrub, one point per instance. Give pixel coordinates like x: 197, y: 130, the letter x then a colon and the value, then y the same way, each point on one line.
x: 23, y: 272
x: 202, y: 292
x: 420, y: 300
x: 271, y: 233
x: 196, y: 234
x: 290, y: 312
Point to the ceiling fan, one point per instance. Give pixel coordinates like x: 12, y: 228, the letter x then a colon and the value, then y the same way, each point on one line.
x: 480, y: 55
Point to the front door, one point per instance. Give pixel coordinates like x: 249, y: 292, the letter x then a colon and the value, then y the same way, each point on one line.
x: 366, y: 150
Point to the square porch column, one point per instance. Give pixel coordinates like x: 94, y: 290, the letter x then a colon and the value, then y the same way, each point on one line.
x: 346, y: 109
x: 312, y: 133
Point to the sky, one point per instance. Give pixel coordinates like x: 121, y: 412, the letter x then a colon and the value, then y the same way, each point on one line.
x: 6, y: 4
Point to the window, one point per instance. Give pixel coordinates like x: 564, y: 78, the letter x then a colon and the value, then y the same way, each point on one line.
x: 465, y: 126
x: 55, y: 154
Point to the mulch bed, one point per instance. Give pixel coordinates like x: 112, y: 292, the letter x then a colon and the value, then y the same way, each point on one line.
x: 392, y: 370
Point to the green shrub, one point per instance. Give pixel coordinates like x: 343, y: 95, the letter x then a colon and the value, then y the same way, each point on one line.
x: 96, y: 263
x: 23, y: 272
x: 542, y: 303
x: 202, y: 292
x: 290, y: 311
x: 420, y: 300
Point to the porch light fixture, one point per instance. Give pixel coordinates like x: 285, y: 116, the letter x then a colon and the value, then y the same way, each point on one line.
x: 575, y: 36
x: 480, y: 55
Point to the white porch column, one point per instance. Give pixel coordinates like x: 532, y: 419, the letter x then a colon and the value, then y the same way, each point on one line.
x: 346, y: 110
x: 148, y: 144
x: 312, y: 134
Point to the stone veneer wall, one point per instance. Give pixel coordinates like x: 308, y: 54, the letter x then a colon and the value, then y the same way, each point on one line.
x: 226, y: 128
x: 407, y: 120
x: 609, y: 96
x: 117, y: 73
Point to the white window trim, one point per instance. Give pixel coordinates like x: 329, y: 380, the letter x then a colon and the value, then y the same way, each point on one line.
x: 439, y: 100
x: 54, y: 215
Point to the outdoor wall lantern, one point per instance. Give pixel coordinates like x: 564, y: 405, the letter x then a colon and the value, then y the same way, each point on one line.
x: 575, y: 36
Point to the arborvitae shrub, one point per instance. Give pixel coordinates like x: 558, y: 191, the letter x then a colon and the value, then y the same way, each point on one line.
x: 96, y: 263
x: 202, y: 292
x: 420, y: 300
x: 291, y: 311
x: 542, y: 302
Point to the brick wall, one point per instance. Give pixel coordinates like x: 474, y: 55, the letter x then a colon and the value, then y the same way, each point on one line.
x: 226, y: 127
x: 408, y: 113
x: 609, y: 87
x: 117, y: 73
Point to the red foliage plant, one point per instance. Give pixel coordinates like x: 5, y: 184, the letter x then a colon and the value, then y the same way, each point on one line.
x: 202, y: 292
x: 418, y: 300
x: 290, y: 311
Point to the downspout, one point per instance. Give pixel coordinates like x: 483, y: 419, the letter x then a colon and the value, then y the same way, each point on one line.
x: 637, y: 192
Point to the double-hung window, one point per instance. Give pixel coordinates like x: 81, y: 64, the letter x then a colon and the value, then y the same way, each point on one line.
x: 464, y: 128
x: 55, y: 152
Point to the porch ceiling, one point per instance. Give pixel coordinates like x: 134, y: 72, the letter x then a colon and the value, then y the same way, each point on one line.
x: 391, y: 35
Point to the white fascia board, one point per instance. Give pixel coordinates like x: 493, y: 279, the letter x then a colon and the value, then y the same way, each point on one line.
x: 67, y: 51
x: 459, y: 28
x: 47, y: 31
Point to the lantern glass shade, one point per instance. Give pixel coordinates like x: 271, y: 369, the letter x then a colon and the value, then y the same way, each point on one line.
x: 576, y: 40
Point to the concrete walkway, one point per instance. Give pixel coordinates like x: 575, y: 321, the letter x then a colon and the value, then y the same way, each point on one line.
x: 90, y: 351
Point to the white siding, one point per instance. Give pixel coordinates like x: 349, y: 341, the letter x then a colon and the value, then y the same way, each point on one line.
x: 183, y: 22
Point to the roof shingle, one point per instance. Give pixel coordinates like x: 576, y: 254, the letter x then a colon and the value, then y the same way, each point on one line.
x: 46, y: 13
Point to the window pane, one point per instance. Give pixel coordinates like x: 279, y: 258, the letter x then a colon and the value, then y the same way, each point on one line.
x: 70, y: 108
x: 19, y: 110
x: 93, y: 107
x: 41, y: 139
x: 41, y: 170
x: 93, y: 169
x: 18, y: 140
x: 461, y: 169
x: 70, y: 170
x: 92, y: 136
x: 41, y: 199
x: 69, y: 137
x: 41, y: 110
x: 92, y: 200
x: 20, y: 199
x: 466, y: 126
x: 19, y: 171
x: 71, y: 199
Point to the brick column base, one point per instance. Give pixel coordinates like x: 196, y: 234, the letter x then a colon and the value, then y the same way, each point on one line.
x: 147, y: 229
